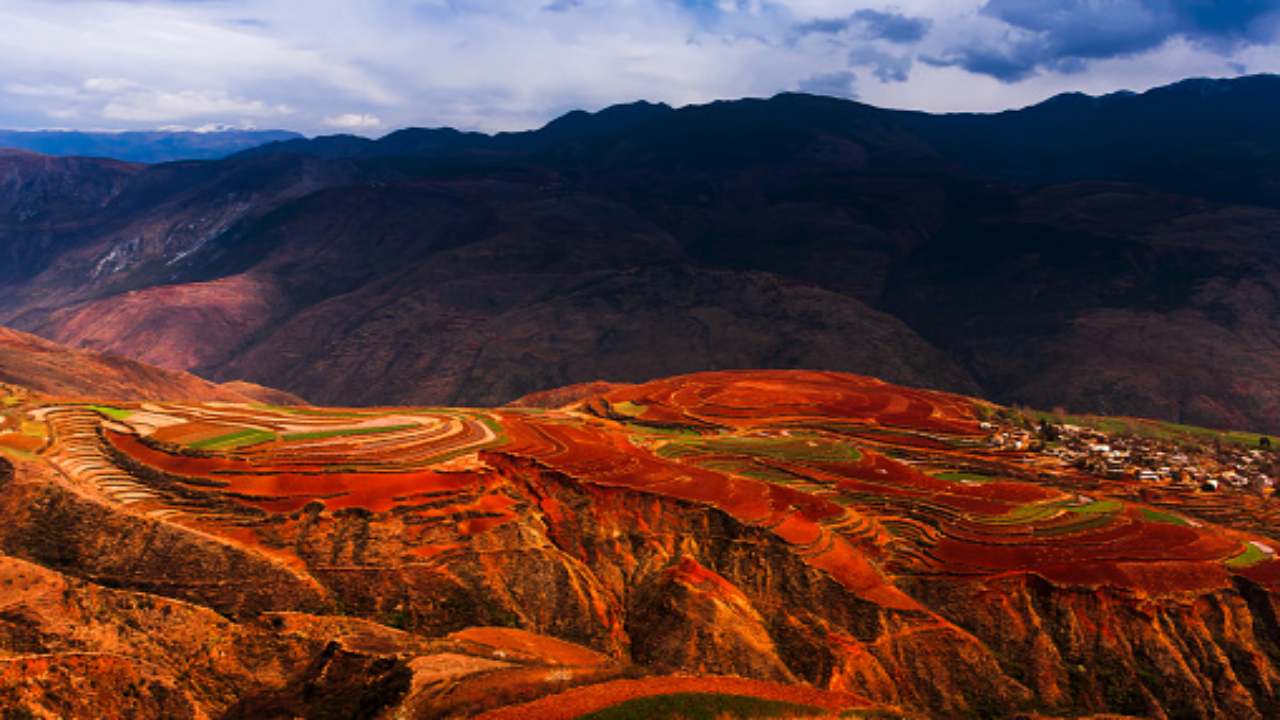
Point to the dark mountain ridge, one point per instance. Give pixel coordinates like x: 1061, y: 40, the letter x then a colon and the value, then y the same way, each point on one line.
x: 1199, y: 136
x: 1102, y: 270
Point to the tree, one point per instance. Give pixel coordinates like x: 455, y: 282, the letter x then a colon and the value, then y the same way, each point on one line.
x: 1048, y: 431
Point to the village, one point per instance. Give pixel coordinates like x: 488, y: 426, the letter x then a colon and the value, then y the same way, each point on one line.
x: 1209, y: 465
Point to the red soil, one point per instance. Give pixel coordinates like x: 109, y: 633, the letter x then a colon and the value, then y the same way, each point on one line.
x: 953, y: 527
x: 288, y: 491
x: 520, y: 644
x: 595, y: 457
x: 20, y: 441
x: 742, y: 398
x: 580, y: 701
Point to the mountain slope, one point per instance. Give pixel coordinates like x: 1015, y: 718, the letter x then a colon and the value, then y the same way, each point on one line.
x: 796, y: 232
x: 36, y: 364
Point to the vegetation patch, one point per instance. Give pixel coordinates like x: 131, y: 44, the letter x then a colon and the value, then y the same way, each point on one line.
x: 627, y: 408
x: 701, y: 706
x: 114, y: 413
x: 964, y: 476
x: 1025, y: 514
x: 1156, y: 429
x: 749, y: 469
x: 1252, y: 555
x: 1098, y: 507
x: 346, y: 432
x: 1164, y: 517
x: 1087, y: 521
x: 796, y: 448
x: 233, y: 440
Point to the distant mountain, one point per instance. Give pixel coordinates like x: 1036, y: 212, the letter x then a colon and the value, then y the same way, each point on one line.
x: 145, y: 147
x: 1111, y: 254
x: 572, y: 127
x: 1204, y: 137
x: 1213, y: 138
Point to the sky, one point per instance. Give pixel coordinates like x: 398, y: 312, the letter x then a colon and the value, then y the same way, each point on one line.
x: 370, y: 66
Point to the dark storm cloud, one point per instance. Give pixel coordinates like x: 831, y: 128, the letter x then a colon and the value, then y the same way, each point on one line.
x: 892, y: 26
x: 885, y: 66
x: 1063, y: 35
x: 872, y: 24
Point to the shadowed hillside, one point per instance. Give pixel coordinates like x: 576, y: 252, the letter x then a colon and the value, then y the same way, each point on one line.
x: 51, y: 369
x: 1105, y: 254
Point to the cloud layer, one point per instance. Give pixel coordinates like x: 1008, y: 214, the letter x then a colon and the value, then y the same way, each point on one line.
x: 366, y: 67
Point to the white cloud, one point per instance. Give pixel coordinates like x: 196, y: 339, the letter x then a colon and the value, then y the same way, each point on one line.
x: 144, y: 105
x: 109, y: 85
x: 41, y: 91
x: 353, y: 121
x: 495, y: 64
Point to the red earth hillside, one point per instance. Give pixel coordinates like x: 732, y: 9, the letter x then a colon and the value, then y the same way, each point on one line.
x: 822, y: 540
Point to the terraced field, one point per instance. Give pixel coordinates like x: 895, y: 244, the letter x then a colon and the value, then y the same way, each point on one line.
x: 816, y: 530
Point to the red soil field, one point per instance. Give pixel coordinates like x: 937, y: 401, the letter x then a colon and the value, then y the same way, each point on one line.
x: 968, y: 527
x: 861, y: 532
x: 580, y: 701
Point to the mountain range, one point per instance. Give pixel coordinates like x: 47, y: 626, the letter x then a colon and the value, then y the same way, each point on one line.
x: 1106, y: 254
x: 149, y: 146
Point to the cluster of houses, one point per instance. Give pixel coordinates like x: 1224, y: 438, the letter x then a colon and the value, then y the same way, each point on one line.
x: 1208, y: 466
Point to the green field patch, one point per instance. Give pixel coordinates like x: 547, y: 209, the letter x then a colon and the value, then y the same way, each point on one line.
x: 1038, y: 512
x: 627, y: 408
x: 490, y: 423
x: 346, y: 432
x: 1082, y: 522
x: 676, y: 449
x: 964, y: 476
x: 749, y: 469
x: 701, y: 706
x: 1164, y: 517
x: 665, y: 430
x: 1105, y: 507
x: 234, y: 440
x: 114, y: 413
x: 16, y: 453
x: 1024, y: 514
x: 1252, y: 555
x: 795, y: 448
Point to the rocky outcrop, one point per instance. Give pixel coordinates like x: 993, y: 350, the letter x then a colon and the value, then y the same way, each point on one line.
x: 58, y: 528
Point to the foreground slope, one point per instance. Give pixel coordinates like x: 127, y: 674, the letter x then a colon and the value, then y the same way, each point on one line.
x: 833, y: 541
